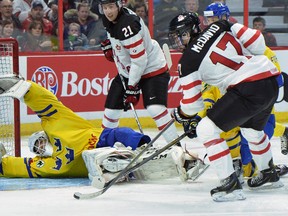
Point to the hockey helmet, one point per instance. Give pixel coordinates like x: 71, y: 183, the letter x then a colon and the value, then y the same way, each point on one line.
x: 39, y: 144
x: 101, y: 2
x: 182, y: 28
x: 217, y: 9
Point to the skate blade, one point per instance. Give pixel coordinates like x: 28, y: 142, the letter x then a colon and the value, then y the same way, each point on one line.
x: 268, y: 186
x: 224, y: 197
x: 200, y: 172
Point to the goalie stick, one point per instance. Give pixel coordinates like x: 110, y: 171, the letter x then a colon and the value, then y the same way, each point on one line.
x: 167, y: 54
x: 127, y: 169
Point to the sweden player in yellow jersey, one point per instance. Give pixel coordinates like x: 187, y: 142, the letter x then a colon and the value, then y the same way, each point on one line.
x: 64, y: 137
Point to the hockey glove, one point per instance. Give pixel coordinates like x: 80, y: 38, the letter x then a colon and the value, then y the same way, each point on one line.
x: 107, y: 50
x: 190, y: 126
x: 132, y: 95
x: 178, y: 116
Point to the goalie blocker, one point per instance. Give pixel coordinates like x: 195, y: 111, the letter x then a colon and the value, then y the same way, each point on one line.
x: 104, y: 164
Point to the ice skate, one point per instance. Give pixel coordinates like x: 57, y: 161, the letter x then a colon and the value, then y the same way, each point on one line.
x: 230, y: 190
x: 281, y: 169
x: 284, y: 142
x: 195, y: 168
x: 266, y: 179
x: 237, y: 164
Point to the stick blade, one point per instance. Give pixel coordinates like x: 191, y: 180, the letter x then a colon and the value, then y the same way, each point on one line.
x: 167, y: 54
x: 78, y: 195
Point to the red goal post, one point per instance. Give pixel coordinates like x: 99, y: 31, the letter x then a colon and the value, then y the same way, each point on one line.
x: 9, y: 107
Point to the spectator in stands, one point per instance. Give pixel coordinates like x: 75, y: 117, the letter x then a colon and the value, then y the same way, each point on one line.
x: 6, y: 8
x: 76, y: 40
x: 142, y: 11
x: 7, y: 29
x: 193, y: 6
x: 67, y: 4
x: 22, y: 8
x: 86, y: 21
x: 132, y: 3
x: 93, y: 4
x: 35, y: 39
x: 259, y: 23
x: 37, y: 14
x: 163, y: 13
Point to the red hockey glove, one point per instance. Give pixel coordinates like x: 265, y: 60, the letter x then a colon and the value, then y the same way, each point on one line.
x: 132, y: 95
x: 107, y: 50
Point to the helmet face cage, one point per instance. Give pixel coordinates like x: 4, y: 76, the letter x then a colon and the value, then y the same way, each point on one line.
x: 178, y: 37
x: 182, y: 28
x: 217, y: 9
x: 39, y: 144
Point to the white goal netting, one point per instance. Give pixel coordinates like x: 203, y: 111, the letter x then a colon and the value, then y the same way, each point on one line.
x: 9, y: 109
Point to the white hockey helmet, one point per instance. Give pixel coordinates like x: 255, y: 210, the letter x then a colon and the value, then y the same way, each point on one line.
x: 39, y: 144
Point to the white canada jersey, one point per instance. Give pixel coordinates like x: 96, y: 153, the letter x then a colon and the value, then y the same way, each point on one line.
x: 223, y: 55
x: 136, y: 55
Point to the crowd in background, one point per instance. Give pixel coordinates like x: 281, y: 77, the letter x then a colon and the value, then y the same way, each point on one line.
x: 34, y: 23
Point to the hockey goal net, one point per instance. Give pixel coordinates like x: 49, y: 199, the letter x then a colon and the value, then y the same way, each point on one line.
x: 9, y: 108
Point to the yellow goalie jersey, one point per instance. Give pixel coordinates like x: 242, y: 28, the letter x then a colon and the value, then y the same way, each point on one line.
x: 68, y: 133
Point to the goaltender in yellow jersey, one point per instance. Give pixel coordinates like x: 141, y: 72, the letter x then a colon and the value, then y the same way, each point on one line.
x: 66, y: 136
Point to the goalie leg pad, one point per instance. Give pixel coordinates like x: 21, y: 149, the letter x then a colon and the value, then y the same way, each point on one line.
x: 160, y: 167
x: 104, y: 163
x: 13, y: 86
x: 168, y: 164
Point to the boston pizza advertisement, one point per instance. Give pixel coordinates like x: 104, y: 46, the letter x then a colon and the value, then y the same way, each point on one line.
x: 82, y: 82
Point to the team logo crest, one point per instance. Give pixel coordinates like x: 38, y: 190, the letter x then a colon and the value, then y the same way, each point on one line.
x: 40, y: 164
x: 118, y: 47
x: 47, y: 78
x: 180, y: 18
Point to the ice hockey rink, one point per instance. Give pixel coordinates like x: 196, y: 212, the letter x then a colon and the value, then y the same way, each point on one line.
x: 167, y: 197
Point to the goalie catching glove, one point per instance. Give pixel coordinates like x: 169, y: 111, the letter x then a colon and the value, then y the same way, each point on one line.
x: 189, y: 123
x: 13, y: 86
x: 107, y: 50
x: 131, y: 96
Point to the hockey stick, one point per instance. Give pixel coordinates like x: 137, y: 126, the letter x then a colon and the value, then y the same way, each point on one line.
x: 132, y: 107
x: 167, y: 54
x: 107, y: 185
x: 136, y: 118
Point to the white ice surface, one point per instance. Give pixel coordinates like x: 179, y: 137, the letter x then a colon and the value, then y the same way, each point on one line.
x: 169, y: 197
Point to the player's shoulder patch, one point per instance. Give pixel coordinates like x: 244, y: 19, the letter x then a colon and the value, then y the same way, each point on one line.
x: 40, y: 163
x: 129, y: 25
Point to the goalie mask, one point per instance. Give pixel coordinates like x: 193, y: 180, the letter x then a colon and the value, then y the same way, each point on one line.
x: 39, y: 144
x: 182, y: 29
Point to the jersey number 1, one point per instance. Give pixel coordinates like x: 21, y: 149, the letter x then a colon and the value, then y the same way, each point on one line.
x: 222, y: 44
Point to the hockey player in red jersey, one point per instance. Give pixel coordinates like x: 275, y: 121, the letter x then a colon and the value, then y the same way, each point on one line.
x: 230, y: 57
x: 141, y: 67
